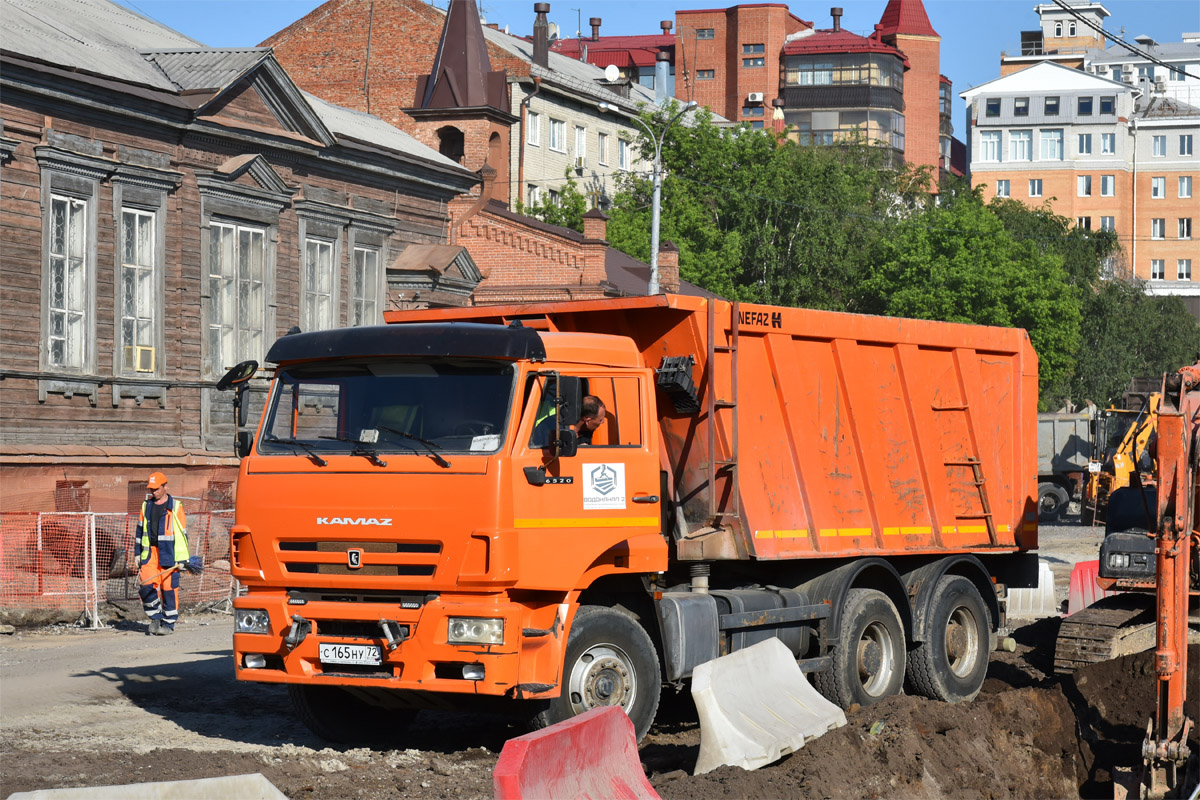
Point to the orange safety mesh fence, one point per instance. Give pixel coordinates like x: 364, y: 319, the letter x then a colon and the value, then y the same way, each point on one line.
x: 68, y: 563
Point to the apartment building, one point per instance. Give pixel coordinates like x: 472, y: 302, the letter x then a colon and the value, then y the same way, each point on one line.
x: 1102, y: 153
x: 1177, y: 77
x: 752, y: 63
x: 1062, y: 37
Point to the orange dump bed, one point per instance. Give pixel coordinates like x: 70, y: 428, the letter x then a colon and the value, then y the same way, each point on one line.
x: 822, y: 434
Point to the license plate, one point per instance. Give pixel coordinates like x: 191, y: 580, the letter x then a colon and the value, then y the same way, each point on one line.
x: 365, y: 654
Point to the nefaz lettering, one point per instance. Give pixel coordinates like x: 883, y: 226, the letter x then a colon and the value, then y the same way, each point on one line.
x: 354, y: 521
x: 774, y: 319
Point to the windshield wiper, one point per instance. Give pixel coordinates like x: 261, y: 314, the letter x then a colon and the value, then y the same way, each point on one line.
x: 320, y: 462
x: 430, y: 446
x: 360, y: 449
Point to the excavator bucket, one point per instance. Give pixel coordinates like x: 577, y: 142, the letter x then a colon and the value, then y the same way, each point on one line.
x: 756, y: 706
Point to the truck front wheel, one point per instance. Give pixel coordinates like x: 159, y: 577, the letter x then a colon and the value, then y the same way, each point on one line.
x: 610, y: 661
x: 952, y: 662
x: 1052, y: 501
x: 336, y: 715
x: 868, y: 659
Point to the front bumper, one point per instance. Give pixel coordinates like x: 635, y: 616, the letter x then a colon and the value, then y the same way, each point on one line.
x: 525, y: 665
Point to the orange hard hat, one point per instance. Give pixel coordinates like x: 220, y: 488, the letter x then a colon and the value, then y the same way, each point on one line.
x: 157, y: 479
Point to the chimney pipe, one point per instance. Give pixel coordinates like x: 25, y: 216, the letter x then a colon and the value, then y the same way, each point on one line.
x: 595, y: 23
x: 541, y: 35
x: 662, y: 72
x: 666, y: 26
x: 836, y: 13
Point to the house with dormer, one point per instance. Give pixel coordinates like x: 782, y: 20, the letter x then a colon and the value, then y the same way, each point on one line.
x: 168, y: 210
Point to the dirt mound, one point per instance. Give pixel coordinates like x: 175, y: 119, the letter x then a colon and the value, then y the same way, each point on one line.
x: 1056, y: 739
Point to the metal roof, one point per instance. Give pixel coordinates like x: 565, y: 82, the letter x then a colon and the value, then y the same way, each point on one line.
x: 93, y: 36
x: 905, y: 17
x: 1166, y: 51
x: 351, y: 124
x: 206, y: 68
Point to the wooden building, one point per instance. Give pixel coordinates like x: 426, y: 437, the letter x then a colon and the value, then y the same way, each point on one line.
x: 166, y: 211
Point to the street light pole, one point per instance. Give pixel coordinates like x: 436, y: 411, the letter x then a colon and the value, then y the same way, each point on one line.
x: 656, y: 201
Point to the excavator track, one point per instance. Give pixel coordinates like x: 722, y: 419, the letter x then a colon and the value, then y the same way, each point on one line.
x: 1113, y: 626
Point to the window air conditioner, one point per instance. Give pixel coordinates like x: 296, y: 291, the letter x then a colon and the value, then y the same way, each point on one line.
x: 579, y: 162
x: 755, y: 97
x: 141, y: 356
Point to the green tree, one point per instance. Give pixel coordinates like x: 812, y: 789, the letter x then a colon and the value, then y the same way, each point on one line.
x: 566, y: 210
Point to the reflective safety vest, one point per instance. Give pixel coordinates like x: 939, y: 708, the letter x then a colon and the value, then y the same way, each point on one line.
x: 172, y: 536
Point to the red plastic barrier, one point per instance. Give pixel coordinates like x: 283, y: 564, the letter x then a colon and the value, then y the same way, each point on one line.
x: 1084, y: 590
x: 590, y: 757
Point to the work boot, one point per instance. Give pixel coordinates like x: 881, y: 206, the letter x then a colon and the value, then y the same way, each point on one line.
x: 153, y: 630
x: 163, y: 630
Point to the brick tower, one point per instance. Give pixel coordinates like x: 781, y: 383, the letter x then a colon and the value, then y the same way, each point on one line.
x: 905, y: 26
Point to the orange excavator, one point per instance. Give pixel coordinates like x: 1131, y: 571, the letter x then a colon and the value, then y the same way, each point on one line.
x: 1169, y: 761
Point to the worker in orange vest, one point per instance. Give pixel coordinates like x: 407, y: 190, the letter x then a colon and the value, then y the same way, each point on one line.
x: 161, y: 545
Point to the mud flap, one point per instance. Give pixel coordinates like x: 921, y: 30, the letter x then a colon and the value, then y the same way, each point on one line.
x: 756, y: 706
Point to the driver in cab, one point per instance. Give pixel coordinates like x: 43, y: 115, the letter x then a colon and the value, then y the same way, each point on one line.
x: 591, y: 416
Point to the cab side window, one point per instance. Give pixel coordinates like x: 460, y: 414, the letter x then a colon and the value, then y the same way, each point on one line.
x: 622, y: 425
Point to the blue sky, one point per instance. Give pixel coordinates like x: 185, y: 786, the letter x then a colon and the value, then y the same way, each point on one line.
x: 973, y: 32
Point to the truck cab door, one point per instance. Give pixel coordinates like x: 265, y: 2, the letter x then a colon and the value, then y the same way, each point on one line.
x: 577, y: 509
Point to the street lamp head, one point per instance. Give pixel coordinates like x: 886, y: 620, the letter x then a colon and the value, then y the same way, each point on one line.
x: 607, y: 107
x: 690, y: 104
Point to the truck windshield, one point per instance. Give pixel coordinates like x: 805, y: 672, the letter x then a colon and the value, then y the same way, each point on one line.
x: 389, y: 406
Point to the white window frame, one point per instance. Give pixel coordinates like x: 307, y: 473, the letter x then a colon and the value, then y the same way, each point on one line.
x: 1108, y: 223
x: 1084, y: 144
x: 228, y: 314
x: 1158, y: 228
x: 138, y: 307
x: 1158, y: 188
x: 558, y: 135
x: 364, y: 286
x: 1108, y: 185
x: 318, y: 310
x: 624, y: 155
x: 533, y: 194
x: 1051, y: 140
x: 1159, y: 145
x: 533, y: 129
x: 1108, y: 144
x: 1185, y: 144
x: 1185, y: 227
x: 1003, y: 188
x: 1185, y: 185
x: 70, y: 272
x: 580, y: 143
x: 1158, y: 269
x: 1035, y: 187
x: 602, y: 148
x: 1183, y: 269
x: 1020, y: 145
x: 1071, y: 29
x: 989, y: 146
x: 1083, y: 185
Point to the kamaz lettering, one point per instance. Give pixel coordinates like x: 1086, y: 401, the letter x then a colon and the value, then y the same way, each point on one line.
x: 354, y: 521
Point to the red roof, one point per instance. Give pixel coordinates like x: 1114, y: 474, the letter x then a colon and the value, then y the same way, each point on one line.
x: 623, y: 51
x: 830, y: 41
x: 906, y: 16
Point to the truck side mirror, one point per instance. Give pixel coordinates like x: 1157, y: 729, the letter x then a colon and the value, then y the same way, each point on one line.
x: 238, y: 379
x: 570, y: 398
x: 567, y: 444
x: 244, y: 440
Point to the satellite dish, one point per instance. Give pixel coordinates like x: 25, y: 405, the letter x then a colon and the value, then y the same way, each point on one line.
x: 553, y: 31
x: 611, y: 73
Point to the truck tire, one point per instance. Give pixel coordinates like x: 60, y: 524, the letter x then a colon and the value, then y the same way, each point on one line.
x: 1052, y: 501
x: 610, y: 661
x: 952, y: 662
x: 868, y: 656
x: 336, y: 715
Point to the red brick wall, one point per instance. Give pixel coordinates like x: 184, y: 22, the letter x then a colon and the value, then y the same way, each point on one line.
x: 921, y: 107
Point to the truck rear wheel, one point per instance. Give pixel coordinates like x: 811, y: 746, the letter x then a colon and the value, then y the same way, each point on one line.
x: 1052, y: 501
x: 336, y: 715
x: 952, y: 662
x: 868, y: 659
x: 610, y: 661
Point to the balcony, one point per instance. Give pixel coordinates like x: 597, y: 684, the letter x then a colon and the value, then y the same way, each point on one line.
x: 796, y: 97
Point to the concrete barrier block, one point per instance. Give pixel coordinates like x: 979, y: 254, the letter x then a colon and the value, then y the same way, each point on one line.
x: 756, y: 706
x: 1037, y: 602
x: 590, y: 757
x: 231, y: 787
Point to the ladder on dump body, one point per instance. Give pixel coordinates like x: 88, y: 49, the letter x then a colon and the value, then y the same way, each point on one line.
x: 980, y: 484
x: 710, y: 394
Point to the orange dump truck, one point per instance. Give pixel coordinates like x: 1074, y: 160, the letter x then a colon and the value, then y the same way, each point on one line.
x: 420, y: 523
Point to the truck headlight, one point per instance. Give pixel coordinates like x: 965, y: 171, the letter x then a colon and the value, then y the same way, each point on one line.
x: 251, y: 620
x: 475, y: 630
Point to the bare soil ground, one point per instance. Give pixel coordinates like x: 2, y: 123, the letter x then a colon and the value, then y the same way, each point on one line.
x: 111, y: 707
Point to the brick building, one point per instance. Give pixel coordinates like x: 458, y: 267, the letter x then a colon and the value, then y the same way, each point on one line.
x: 745, y: 61
x: 372, y: 55
x: 168, y: 210
x: 1101, y: 153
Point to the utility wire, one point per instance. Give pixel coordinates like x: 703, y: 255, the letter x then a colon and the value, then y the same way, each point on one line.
x: 1121, y: 42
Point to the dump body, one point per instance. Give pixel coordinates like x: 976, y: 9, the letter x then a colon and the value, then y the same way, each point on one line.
x: 1064, y: 443
x: 843, y: 435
